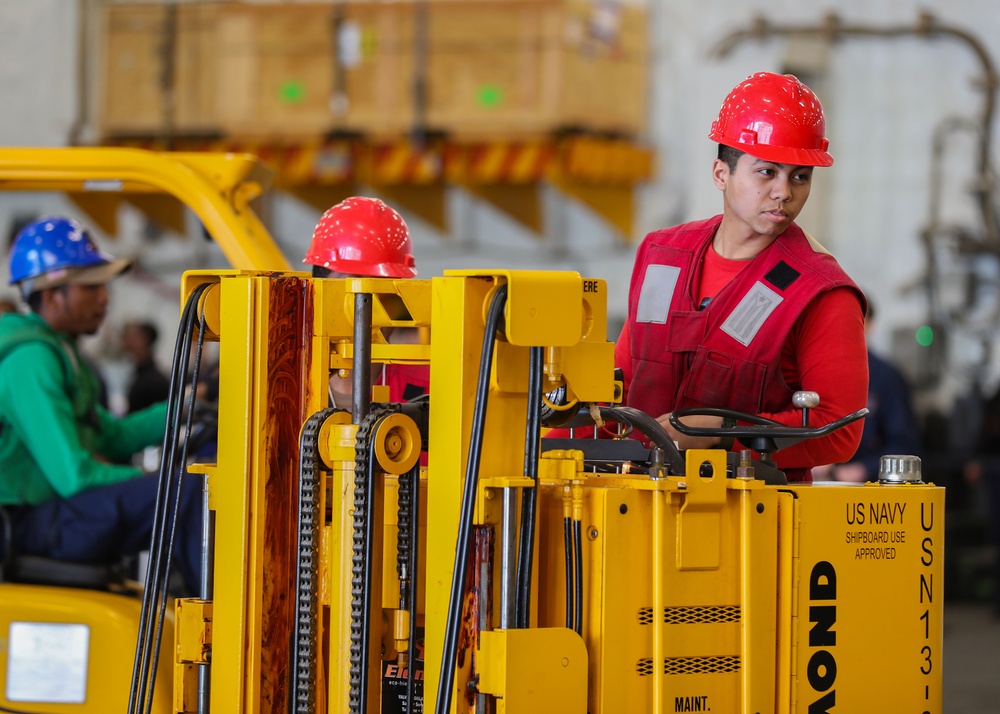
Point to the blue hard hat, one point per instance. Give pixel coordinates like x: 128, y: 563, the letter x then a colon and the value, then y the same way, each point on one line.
x: 59, y: 248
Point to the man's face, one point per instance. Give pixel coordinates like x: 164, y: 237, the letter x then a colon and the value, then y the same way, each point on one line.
x: 77, y: 309
x: 135, y: 343
x: 763, y: 196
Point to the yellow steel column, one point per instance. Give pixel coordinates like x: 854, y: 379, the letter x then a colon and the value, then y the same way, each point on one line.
x: 456, y: 338
x: 758, y: 540
x: 338, y: 533
x: 264, y: 361
x: 787, y: 596
x: 231, y: 495
x: 661, y: 521
x: 542, y: 308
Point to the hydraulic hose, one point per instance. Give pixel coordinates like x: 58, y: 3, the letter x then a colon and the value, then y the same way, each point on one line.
x: 652, y: 429
x: 570, y: 582
x: 638, y: 420
x: 532, y: 448
x: 453, y: 622
x: 171, y: 479
x: 578, y: 576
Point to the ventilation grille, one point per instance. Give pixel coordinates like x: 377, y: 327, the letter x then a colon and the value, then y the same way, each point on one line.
x: 692, y: 615
x: 691, y: 665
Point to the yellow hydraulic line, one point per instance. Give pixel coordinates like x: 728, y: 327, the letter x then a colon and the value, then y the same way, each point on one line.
x: 786, y: 508
x: 217, y: 187
x: 577, y: 490
x: 567, y: 504
x: 659, y: 557
x: 576, y: 528
x: 746, y: 598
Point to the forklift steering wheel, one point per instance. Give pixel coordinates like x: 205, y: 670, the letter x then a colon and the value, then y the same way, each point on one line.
x: 759, y: 433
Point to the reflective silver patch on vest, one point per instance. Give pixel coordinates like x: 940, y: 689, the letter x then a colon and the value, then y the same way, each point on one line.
x: 746, y: 320
x: 656, y: 293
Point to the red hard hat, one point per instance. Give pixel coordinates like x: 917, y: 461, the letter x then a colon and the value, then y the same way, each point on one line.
x: 776, y: 118
x: 363, y: 237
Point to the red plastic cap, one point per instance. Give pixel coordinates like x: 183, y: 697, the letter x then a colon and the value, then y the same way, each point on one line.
x: 776, y: 118
x: 362, y: 237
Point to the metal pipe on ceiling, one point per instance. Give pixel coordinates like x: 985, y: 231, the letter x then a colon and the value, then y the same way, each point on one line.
x: 832, y: 28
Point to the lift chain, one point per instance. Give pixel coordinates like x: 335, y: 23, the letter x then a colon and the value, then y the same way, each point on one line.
x: 364, y: 475
x: 404, y: 538
x: 307, y: 589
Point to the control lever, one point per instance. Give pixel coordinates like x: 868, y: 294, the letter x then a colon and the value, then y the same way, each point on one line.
x: 805, y: 401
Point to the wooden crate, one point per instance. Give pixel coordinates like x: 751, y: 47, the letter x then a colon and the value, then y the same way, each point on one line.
x: 537, y: 66
x: 144, y: 51
x: 375, y: 61
x: 299, y: 70
x: 312, y: 69
x: 275, y: 68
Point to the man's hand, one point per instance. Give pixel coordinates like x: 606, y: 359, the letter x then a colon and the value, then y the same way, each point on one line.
x: 823, y: 473
x: 853, y: 472
x: 341, y: 388
x: 693, y: 442
x: 972, y: 472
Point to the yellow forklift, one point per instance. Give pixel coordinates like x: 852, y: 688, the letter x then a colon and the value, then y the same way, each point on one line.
x: 513, y: 573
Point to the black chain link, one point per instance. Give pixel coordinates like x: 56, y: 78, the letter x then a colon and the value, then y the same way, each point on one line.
x: 364, y: 473
x: 307, y: 589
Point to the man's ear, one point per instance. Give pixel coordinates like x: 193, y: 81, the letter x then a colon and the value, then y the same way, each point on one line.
x: 720, y: 174
x: 54, y: 297
x: 49, y: 296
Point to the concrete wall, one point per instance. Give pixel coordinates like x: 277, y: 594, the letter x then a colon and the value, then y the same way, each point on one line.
x: 884, y: 98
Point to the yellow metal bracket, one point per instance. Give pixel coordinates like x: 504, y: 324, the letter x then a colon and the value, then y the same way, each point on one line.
x: 560, y: 465
x: 193, y: 630
x: 543, y: 308
x: 534, y: 670
x: 699, y: 523
x: 337, y: 439
x: 209, y: 303
x: 192, y: 647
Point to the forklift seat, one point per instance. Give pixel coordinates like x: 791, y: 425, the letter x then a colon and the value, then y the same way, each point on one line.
x: 37, y: 570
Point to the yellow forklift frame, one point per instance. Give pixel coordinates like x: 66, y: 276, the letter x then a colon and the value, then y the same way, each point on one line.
x: 697, y: 592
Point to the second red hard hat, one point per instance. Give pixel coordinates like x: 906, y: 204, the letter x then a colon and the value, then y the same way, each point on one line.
x: 362, y: 236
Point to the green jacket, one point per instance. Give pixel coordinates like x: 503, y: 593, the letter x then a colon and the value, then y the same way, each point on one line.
x: 55, y: 438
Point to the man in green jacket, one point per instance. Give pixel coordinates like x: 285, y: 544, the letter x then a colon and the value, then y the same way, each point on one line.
x: 61, y: 453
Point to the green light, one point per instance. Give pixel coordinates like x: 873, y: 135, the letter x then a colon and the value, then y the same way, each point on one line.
x: 489, y: 96
x: 925, y: 335
x: 291, y: 92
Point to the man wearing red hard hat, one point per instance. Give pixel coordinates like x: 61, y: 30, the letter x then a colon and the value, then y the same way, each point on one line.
x: 743, y: 309
x: 363, y: 237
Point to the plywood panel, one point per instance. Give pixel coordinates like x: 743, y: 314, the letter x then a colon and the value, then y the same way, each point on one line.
x: 265, y: 69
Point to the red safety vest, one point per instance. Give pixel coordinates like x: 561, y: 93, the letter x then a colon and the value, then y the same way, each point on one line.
x: 727, y: 355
